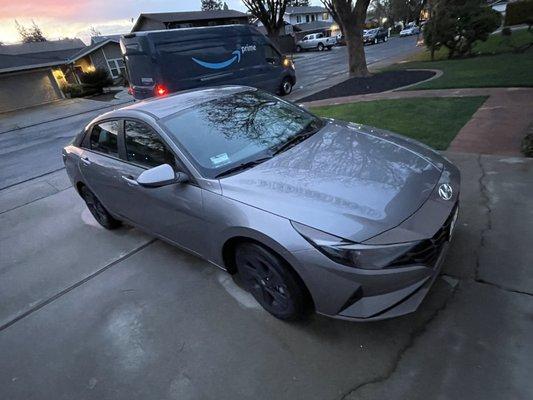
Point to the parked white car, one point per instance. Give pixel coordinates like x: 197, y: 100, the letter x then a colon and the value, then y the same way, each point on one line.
x: 411, y: 30
x: 317, y: 41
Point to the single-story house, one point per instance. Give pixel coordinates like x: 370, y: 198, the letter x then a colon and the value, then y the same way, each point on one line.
x: 33, y: 73
x: 188, y: 19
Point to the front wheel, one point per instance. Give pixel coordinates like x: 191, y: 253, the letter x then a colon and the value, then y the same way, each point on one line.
x: 320, y: 47
x: 270, y: 281
x: 385, y: 38
x: 376, y: 41
x: 286, y: 86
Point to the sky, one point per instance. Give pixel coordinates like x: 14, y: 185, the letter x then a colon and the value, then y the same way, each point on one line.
x: 73, y: 18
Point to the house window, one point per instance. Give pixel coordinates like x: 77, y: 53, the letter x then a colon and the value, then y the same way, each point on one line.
x: 325, y: 16
x: 116, y: 67
x: 307, y: 18
x: 312, y: 17
x: 298, y: 19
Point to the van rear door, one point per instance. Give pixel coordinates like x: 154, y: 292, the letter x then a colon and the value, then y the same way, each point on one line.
x: 142, y: 72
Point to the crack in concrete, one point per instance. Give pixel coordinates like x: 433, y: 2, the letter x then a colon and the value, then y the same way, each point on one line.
x: 486, y: 204
x: 501, y: 287
x: 415, y: 334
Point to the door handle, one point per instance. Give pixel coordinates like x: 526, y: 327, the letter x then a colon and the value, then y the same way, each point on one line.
x: 129, y: 180
x: 85, y: 160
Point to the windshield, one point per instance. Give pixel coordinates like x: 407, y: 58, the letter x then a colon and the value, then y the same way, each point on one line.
x: 221, y: 134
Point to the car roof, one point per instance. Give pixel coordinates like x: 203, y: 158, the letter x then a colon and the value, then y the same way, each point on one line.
x: 161, y: 107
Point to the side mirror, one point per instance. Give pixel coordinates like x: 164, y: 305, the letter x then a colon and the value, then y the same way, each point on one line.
x: 161, y: 175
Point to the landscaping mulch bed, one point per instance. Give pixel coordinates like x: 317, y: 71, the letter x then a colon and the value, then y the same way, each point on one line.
x: 105, y: 96
x: 379, y: 82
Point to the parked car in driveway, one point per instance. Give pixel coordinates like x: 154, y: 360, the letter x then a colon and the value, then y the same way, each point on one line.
x: 167, y: 61
x: 310, y: 213
x: 410, y: 30
x: 316, y: 41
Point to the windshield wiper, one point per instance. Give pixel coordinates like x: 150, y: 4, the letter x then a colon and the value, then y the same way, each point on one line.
x: 243, y: 166
x: 310, y: 130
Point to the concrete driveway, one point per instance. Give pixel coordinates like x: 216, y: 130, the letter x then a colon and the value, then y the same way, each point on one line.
x: 90, y: 314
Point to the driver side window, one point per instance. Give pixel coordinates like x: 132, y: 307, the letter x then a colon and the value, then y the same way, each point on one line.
x: 144, y: 146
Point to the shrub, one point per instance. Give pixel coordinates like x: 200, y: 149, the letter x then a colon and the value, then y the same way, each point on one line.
x: 73, y: 90
x: 96, y: 80
x: 520, y: 12
x: 527, y: 143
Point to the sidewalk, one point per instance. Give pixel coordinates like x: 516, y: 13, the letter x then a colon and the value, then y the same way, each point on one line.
x: 497, y: 127
x: 27, y: 117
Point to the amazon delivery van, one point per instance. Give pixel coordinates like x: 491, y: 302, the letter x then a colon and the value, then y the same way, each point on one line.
x: 166, y: 61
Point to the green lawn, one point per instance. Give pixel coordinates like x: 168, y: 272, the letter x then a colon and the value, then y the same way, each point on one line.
x: 504, y: 69
x: 495, y: 44
x: 433, y: 121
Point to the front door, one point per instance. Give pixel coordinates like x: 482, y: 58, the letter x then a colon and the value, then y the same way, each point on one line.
x: 173, y: 211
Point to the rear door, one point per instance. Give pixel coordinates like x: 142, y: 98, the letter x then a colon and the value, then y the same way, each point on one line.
x: 100, y: 164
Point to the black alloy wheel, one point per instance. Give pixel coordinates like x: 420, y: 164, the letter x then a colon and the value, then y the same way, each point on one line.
x: 98, y: 210
x: 270, y: 281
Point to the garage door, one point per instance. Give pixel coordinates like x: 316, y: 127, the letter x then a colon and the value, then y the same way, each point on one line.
x: 27, y: 89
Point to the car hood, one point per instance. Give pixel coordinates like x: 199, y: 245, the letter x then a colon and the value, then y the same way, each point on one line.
x: 349, y: 180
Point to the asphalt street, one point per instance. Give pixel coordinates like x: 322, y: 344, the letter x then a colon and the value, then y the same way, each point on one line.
x: 95, y: 314
x: 36, y: 150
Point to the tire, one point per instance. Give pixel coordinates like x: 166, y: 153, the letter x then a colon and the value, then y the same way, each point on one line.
x: 385, y: 38
x: 330, y: 47
x: 98, y: 210
x: 298, y: 49
x: 320, y: 47
x: 285, y: 87
x: 270, y: 281
x: 376, y: 41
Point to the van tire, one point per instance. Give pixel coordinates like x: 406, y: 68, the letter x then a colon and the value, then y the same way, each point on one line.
x: 285, y: 87
x: 298, y: 49
x: 320, y: 47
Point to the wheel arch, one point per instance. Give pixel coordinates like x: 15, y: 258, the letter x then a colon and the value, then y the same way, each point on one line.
x: 228, y: 258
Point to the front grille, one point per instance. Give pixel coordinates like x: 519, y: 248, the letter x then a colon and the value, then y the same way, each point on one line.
x: 427, y: 252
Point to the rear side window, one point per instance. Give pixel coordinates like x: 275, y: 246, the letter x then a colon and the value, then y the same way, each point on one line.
x: 104, y: 138
x: 144, y: 146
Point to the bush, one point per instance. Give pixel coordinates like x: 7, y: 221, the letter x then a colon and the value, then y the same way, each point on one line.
x: 73, y: 90
x: 520, y: 12
x: 96, y: 81
x: 527, y: 143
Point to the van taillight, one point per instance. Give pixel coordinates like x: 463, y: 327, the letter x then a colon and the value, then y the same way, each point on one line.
x: 160, y: 90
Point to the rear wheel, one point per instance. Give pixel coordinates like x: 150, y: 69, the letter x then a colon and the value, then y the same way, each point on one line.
x: 320, y: 47
x: 98, y: 210
x: 385, y: 38
x: 286, y: 86
x: 298, y: 49
x: 272, y: 283
x: 376, y: 41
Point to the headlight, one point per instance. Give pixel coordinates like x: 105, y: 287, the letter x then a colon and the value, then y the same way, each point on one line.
x: 352, y: 254
x: 286, y: 62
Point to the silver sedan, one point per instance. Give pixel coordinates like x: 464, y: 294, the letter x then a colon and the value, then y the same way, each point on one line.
x: 310, y: 214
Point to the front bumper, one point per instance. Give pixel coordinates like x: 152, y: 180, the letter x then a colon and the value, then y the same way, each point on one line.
x: 357, y: 294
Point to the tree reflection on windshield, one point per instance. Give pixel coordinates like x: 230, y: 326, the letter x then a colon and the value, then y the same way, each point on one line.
x: 222, y: 133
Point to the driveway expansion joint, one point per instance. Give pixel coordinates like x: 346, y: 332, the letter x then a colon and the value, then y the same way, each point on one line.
x: 44, y: 303
x: 411, y: 342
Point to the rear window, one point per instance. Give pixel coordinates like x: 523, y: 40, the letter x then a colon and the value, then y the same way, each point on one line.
x: 104, y: 138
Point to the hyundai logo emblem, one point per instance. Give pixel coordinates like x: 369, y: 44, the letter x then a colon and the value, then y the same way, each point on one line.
x: 445, y: 191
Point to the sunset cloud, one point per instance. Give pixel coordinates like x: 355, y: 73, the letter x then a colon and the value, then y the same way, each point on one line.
x: 72, y: 18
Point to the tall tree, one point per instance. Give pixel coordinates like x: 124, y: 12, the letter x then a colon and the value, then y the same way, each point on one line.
x: 211, y: 5
x: 270, y: 13
x: 328, y: 5
x: 225, y: 6
x: 352, y: 15
x: 94, y: 32
x: 297, y: 3
x: 31, y: 34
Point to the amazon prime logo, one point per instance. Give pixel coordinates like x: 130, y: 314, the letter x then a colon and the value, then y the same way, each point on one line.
x: 445, y: 191
x: 235, y: 58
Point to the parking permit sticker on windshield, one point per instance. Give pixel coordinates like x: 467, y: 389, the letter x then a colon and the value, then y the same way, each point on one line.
x: 221, y: 159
